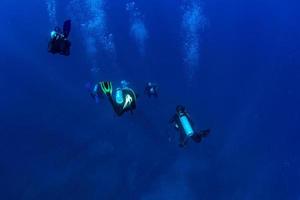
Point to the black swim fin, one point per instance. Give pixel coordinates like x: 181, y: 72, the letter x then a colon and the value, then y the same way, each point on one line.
x: 67, y: 28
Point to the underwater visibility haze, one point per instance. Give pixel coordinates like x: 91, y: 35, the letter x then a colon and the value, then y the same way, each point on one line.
x: 234, y: 65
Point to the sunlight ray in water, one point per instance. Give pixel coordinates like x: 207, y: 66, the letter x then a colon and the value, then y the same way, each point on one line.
x: 51, y: 8
x: 193, y: 24
x: 138, y: 30
x: 93, y: 25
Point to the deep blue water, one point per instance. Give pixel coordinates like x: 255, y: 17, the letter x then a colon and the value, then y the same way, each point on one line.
x: 234, y: 64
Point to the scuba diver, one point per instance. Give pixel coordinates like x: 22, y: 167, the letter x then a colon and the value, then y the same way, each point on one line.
x: 123, y: 100
x: 184, y: 124
x: 151, y: 89
x: 95, y: 92
x: 59, y: 42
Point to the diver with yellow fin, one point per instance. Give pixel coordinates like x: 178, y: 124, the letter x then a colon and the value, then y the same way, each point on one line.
x: 122, y: 100
x: 184, y: 124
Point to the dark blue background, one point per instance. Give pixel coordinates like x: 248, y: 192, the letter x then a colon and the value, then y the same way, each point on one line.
x: 56, y: 143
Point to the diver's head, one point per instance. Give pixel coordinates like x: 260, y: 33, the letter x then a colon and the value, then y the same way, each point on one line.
x: 124, y: 84
x: 53, y: 34
x: 149, y: 84
x: 180, y: 109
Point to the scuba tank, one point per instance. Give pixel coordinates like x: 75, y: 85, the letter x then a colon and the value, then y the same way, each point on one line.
x: 186, y: 125
x: 119, y: 96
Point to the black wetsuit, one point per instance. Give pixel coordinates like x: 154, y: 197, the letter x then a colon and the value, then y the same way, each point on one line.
x: 119, y: 108
x: 60, y: 43
x: 60, y: 46
x: 183, y: 138
x: 151, y: 90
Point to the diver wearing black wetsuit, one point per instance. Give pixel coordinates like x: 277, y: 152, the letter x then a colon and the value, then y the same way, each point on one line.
x: 122, y: 101
x: 151, y: 89
x: 184, y: 124
x: 59, y: 42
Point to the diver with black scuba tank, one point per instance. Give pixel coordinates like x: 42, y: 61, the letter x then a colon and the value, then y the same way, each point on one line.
x: 184, y: 124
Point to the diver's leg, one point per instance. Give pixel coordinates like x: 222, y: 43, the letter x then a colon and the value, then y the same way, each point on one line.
x: 197, y: 137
